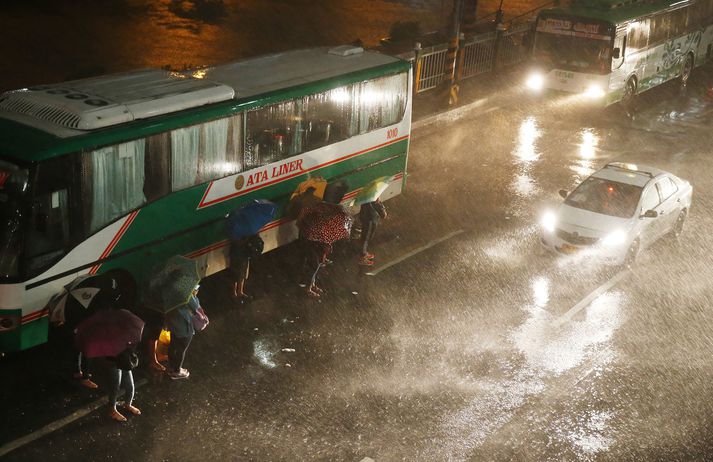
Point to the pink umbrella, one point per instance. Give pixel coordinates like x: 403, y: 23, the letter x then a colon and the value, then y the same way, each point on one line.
x: 108, y: 332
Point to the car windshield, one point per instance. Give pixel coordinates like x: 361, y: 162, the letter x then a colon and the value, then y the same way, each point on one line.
x: 606, y: 197
x: 572, y: 53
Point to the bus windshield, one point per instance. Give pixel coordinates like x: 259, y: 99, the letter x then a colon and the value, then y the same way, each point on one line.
x: 13, y: 183
x: 576, y: 54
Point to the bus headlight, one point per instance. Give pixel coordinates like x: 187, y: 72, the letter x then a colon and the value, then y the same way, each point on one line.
x: 614, y: 238
x: 535, y: 82
x: 594, y: 91
x: 548, y: 222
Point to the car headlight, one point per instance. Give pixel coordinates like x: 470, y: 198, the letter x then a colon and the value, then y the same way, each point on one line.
x: 594, y: 91
x: 614, y: 238
x: 535, y: 82
x: 548, y: 222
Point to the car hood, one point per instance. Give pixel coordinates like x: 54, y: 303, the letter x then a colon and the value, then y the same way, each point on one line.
x: 596, y: 224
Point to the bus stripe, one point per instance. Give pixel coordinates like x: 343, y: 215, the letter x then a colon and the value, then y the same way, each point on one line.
x: 34, y: 316
x: 203, y: 204
x: 115, y: 240
x: 272, y: 224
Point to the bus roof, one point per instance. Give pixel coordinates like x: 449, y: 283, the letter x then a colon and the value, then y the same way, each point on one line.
x: 50, y: 120
x: 613, y: 11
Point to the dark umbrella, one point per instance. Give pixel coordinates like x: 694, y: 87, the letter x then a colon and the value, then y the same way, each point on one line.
x: 248, y: 219
x: 172, y: 283
x: 80, y: 297
x: 325, y: 223
x: 108, y: 333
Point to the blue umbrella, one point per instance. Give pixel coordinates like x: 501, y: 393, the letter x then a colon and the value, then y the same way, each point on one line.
x: 248, y: 219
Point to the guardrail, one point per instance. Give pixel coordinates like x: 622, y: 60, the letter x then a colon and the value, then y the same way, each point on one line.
x: 477, y: 54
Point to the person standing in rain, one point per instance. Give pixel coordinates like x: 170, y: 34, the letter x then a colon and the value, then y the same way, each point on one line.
x: 241, y: 251
x: 369, y: 215
x: 180, y: 323
x: 121, y: 374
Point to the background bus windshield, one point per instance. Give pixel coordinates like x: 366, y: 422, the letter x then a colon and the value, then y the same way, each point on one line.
x: 576, y: 54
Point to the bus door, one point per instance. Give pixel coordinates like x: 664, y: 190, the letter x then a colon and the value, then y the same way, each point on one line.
x: 619, y: 71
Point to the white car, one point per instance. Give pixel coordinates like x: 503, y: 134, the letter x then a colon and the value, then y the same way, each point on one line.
x: 616, y: 212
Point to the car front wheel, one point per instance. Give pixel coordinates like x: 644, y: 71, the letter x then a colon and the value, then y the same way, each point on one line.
x: 631, y: 254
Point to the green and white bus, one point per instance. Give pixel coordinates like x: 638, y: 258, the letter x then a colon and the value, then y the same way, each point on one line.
x: 113, y: 174
x: 611, y: 50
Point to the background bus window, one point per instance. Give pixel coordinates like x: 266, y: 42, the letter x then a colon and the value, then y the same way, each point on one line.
x: 185, y: 143
x: 329, y: 117
x: 382, y: 102
x: 273, y: 133
x: 113, y: 178
x: 638, y: 37
x: 48, y: 237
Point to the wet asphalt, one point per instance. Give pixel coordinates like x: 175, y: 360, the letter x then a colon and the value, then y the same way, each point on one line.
x: 468, y: 342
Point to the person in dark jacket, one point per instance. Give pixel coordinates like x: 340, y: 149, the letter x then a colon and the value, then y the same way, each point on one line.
x: 180, y: 323
x: 369, y: 215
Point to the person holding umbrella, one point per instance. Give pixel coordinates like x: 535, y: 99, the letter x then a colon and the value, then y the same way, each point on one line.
x: 242, y: 227
x: 180, y: 323
x: 112, y: 334
x: 369, y: 215
x: 173, y: 290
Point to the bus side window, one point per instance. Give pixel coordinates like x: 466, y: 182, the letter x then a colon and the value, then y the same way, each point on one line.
x: 49, y: 233
x: 157, y: 166
x: 619, y: 51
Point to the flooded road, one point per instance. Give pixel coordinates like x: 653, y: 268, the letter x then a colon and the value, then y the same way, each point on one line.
x: 468, y: 341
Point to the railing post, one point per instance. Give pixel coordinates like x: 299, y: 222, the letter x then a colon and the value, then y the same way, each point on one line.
x: 499, y: 34
x: 461, y: 57
x: 418, y: 63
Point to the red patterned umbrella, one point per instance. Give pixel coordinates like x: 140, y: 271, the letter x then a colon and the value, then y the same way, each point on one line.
x: 325, y: 222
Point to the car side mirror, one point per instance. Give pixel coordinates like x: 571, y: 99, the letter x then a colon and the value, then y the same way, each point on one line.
x: 563, y: 193
x: 650, y: 214
x: 616, y: 52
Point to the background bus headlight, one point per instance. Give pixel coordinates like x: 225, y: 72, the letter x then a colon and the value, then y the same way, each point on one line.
x: 535, y: 82
x: 594, y: 91
x: 548, y: 222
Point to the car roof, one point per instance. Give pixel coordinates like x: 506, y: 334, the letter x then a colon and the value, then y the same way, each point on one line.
x: 634, y: 174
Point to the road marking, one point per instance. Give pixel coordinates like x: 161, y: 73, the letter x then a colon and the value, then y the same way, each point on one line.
x: 586, y: 301
x: 414, y: 252
x: 57, y: 424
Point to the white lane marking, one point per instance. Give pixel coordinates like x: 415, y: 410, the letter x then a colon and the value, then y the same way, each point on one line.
x: 586, y: 301
x: 414, y: 252
x: 57, y: 424
x: 453, y: 114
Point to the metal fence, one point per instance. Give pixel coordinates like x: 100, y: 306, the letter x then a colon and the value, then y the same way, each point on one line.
x: 514, y: 44
x: 431, y: 67
x: 477, y: 55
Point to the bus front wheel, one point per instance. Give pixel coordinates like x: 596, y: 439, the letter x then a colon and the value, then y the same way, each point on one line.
x: 629, y: 91
x: 686, y: 70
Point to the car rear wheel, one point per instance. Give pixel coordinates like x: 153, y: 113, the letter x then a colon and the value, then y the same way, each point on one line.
x: 677, y: 229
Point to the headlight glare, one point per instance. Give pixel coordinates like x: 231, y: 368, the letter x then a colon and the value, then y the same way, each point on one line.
x: 535, y: 82
x: 548, y: 222
x: 614, y: 238
x: 594, y: 91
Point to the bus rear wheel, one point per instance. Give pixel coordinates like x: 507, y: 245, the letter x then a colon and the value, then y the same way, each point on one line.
x: 686, y: 70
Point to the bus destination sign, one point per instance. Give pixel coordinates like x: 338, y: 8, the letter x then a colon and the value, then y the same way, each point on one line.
x: 571, y: 27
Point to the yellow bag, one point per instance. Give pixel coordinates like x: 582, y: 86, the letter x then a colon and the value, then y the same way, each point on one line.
x: 164, y: 339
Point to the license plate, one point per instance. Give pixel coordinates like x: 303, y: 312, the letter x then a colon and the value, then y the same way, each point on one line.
x: 567, y: 248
